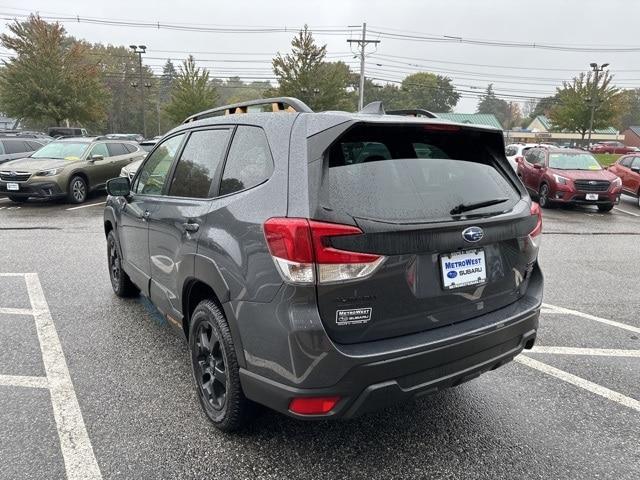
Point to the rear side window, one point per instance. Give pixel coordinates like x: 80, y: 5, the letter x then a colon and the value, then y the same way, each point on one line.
x: 116, y: 149
x: 16, y: 146
x: 424, y: 176
x: 198, y: 163
x: 33, y: 145
x: 249, y: 162
x: 130, y: 148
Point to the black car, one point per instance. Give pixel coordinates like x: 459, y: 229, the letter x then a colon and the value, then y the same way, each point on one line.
x: 329, y: 264
x: 12, y: 148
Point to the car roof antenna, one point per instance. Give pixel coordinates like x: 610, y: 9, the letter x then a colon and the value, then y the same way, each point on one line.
x: 373, y: 108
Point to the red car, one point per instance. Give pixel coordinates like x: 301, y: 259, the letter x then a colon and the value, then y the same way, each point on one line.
x: 612, y: 147
x: 566, y: 176
x: 628, y: 169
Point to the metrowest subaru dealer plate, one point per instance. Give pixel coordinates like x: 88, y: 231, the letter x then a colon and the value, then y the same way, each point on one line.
x: 591, y: 196
x: 461, y: 269
x: 13, y: 186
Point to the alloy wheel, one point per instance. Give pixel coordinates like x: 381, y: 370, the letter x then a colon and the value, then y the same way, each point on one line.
x: 78, y: 190
x: 211, y: 372
x: 544, y: 196
x: 114, y: 263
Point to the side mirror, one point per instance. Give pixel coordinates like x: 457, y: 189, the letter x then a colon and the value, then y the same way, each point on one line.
x: 537, y: 166
x: 119, y: 187
x: 96, y: 158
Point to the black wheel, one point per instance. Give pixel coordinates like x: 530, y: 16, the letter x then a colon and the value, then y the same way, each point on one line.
x: 543, y: 196
x: 120, y: 281
x: 215, y: 368
x: 605, y: 208
x: 77, y: 190
x: 18, y: 199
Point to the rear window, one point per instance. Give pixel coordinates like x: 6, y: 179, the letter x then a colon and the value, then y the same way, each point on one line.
x: 402, y: 174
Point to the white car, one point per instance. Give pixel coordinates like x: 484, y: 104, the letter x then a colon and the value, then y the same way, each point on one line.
x: 516, y: 150
x: 130, y: 170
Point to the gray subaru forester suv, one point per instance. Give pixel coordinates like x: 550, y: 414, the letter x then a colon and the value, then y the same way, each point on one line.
x: 329, y: 264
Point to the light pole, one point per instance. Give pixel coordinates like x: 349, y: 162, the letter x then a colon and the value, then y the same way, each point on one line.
x: 140, y: 49
x: 594, y: 95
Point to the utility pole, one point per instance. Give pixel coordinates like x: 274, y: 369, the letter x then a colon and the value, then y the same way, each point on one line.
x: 140, y: 49
x: 362, y: 45
x: 594, y: 96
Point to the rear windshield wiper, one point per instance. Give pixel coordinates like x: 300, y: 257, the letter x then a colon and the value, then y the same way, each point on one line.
x: 465, y: 207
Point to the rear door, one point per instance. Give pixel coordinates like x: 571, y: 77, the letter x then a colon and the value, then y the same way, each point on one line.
x: 622, y: 169
x: 175, y: 225
x: 119, y: 156
x: 408, y: 190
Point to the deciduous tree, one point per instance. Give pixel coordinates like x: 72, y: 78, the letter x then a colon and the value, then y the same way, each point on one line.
x: 192, y: 92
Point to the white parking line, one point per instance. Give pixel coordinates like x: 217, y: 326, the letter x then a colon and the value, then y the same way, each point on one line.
x: 628, y: 213
x: 79, y: 459
x: 580, y: 382
x: 86, y: 206
x: 23, y: 381
x: 16, y: 311
x: 593, y: 352
x: 588, y: 316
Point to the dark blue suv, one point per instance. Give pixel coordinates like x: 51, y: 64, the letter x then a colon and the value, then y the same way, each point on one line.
x: 329, y: 264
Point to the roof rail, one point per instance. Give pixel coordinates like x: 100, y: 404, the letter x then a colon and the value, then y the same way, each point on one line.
x: 278, y: 104
x: 416, y: 112
x: 373, y: 108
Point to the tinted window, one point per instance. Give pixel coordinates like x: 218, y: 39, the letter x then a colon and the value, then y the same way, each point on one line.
x: 15, y: 146
x: 130, y: 148
x: 116, y: 149
x: 427, y: 175
x: 626, y: 161
x: 198, y: 163
x: 34, y: 145
x: 153, y: 172
x: 99, y: 149
x: 249, y: 162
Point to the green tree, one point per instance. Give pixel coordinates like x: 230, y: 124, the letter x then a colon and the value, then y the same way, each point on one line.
x: 192, y: 92
x: 51, y: 78
x: 389, y: 94
x: 490, y: 103
x: 572, y: 111
x: 429, y: 91
x: 304, y: 74
x: 629, y: 113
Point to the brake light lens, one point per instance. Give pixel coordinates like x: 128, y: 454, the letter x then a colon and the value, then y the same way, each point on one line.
x: 313, y: 405
x: 535, y: 210
x: 302, y: 252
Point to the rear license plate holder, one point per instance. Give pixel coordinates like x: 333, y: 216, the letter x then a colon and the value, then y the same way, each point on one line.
x: 463, y: 269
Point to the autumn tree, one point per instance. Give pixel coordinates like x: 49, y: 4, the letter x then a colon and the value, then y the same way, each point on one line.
x: 50, y: 78
x: 192, y: 92
x: 572, y: 111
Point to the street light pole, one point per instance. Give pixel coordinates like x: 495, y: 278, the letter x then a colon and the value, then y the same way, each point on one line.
x: 594, y: 96
x: 140, y: 49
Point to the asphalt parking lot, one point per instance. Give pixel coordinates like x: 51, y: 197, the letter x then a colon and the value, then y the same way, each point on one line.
x: 92, y: 386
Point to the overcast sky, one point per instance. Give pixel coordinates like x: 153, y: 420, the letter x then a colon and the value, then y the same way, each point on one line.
x: 559, y: 22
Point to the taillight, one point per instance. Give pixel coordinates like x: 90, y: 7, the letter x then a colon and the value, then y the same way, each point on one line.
x: 313, y: 405
x: 302, y: 252
x: 535, y: 210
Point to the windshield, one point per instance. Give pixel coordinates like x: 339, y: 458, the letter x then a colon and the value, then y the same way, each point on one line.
x: 62, y: 151
x: 573, y: 161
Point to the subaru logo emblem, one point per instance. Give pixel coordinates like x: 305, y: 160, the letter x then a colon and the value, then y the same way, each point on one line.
x: 13, y: 174
x: 452, y: 274
x: 592, y: 182
x: 473, y: 234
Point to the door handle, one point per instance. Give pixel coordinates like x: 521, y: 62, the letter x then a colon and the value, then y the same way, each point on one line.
x: 146, y: 215
x: 191, y: 227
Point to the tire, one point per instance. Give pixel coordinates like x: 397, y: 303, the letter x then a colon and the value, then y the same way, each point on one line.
x: 215, y: 369
x: 120, y: 282
x: 543, y: 196
x: 78, y: 190
x: 605, y: 208
x: 18, y: 199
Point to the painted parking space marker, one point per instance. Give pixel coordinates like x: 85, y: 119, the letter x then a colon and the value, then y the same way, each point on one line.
x: 580, y: 382
x: 16, y: 311
x: 588, y: 316
x: 592, y: 352
x: 86, y: 206
x: 628, y: 213
x: 79, y: 459
x: 23, y: 381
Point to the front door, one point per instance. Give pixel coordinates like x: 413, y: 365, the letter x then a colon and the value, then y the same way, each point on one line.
x: 98, y: 165
x: 633, y: 176
x: 175, y: 226
x: 136, y: 210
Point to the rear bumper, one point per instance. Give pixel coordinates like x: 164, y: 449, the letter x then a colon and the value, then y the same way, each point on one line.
x: 434, y: 360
